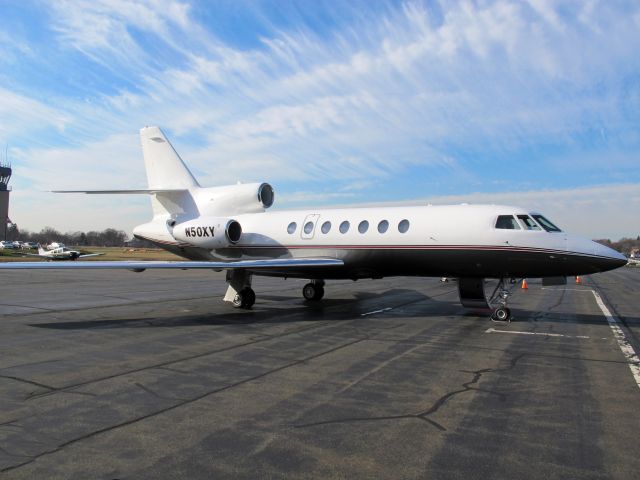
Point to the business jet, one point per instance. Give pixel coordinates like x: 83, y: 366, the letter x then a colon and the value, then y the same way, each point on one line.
x: 229, y: 228
x: 61, y: 253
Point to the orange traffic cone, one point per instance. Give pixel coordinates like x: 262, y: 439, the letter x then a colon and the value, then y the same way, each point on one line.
x: 524, y: 284
x: 578, y: 280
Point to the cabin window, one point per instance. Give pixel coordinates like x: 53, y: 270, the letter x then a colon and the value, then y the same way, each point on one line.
x: 344, y: 227
x: 308, y: 227
x: 507, y: 222
x: 403, y: 226
x: 363, y: 226
x: 383, y: 226
x: 326, y: 227
x: 292, y: 227
x: 527, y: 222
x: 546, y: 224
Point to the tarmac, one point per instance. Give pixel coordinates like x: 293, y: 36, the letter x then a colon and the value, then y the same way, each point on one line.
x: 122, y: 375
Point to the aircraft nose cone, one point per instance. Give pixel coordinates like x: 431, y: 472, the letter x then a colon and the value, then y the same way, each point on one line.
x: 610, y: 258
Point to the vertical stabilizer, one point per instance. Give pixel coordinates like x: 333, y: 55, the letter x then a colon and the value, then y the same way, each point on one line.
x: 165, y: 169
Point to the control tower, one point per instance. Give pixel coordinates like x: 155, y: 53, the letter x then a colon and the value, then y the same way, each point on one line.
x: 5, y: 175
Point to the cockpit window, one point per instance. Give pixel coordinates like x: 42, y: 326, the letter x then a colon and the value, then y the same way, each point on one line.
x: 507, y: 222
x: 527, y: 222
x: 546, y: 224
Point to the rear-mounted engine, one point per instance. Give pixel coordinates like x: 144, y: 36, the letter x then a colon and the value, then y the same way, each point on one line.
x: 208, y: 232
x: 235, y: 199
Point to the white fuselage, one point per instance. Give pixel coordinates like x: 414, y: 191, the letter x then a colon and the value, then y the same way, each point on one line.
x: 451, y: 240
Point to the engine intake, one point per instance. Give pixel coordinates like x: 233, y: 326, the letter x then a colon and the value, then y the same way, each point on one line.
x: 266, y: 195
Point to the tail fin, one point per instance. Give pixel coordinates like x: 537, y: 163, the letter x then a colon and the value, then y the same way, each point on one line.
x: 169, y: 178
x: 165, y: 168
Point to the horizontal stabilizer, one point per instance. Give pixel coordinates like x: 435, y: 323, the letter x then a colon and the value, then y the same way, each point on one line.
x: 124, y: 192
x: 133, y: 265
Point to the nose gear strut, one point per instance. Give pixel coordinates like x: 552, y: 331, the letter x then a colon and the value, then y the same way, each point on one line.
x: 501, y: 294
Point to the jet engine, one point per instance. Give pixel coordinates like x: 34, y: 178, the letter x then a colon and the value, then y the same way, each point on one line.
x: 234, y: 199
x: 208, y: 232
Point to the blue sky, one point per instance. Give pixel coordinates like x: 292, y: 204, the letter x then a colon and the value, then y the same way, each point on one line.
x: 534, y: 103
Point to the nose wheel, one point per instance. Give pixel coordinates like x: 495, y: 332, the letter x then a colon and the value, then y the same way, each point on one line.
x: 501, y: 313
x: 313, y: 291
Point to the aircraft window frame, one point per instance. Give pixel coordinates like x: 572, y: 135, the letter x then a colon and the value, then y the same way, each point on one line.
x: 514, y: 225
x: 545, y: 223
x: 522, y: 220
x: 404, y: 225
x: 309, y: 224
x: 291, y: 228
x: 326, y: 227
x: 344, y: 226
x: 383, y: 226
x: 363, y: 226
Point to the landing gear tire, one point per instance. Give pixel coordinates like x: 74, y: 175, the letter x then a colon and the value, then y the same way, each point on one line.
x: 502, y: 314
x: 245, y: 298
x: 312, y: 292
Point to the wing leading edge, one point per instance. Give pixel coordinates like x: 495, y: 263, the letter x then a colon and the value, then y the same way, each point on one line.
x: 124, y: 192
x: 132, y: 265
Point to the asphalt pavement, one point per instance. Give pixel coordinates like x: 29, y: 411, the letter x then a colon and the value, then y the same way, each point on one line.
x: 122, y: 375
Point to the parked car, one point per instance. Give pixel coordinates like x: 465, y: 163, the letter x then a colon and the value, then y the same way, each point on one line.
x: 6, y: 244
x: 29, y: 245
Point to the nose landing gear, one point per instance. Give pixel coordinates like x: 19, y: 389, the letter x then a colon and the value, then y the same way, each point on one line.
x: 501, y: 313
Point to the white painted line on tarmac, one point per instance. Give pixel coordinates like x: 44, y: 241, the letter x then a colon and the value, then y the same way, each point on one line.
x: 376, y: 311
x: 517, y: 332
x: 627, y: 350
x: 568, y: 289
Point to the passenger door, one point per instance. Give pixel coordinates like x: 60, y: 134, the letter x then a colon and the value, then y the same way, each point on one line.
x: 309, y: 226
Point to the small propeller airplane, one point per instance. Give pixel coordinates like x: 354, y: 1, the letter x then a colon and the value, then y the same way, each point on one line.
x: 61, y: 253
x: 229, y: 228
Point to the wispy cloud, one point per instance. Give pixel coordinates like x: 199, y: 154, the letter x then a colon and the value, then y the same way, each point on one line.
x: 405, y: 96
x: 21, y: 113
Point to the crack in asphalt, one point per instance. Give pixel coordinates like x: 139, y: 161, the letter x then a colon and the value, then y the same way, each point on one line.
x: 439, y: 403
x: 30, y: 382
x: 156, y: 394
x: 181, y: 404
x: 54, y: 390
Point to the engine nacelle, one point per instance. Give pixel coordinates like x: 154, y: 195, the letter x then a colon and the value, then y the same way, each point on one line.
x: 208, y: 232
x: 234, y: 199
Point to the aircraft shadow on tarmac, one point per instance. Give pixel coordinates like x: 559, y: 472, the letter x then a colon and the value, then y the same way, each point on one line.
x: 337, y: 310
x: 273, y: 311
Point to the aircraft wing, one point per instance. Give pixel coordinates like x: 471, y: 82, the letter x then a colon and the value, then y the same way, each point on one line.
x: 183, y: 265
x: 124, y: 192
x: 90, y: 255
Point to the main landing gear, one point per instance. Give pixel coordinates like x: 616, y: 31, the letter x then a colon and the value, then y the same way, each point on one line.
x: 239, y: 292
x: 313, y: 291
x: 245, y: 298
x: 241, y: 295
